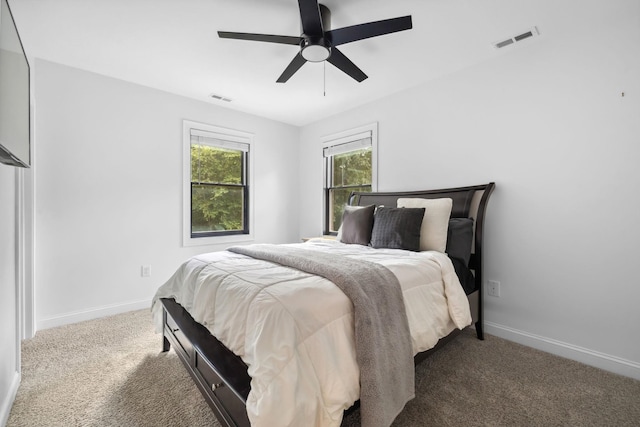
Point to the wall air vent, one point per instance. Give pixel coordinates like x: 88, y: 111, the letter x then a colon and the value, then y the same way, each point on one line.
x: 532, y: 32
x: 220, y: 97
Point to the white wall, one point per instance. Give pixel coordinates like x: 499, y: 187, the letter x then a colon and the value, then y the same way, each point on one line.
x: 548, y: 123
x: 109, y: 191
x: 9, y: 348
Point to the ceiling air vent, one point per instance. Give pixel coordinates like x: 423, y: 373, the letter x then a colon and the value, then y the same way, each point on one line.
x: 532, y: 32
x: 220, y: 97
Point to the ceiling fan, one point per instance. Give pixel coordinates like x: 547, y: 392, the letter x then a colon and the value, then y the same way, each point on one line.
x: 318, y: 42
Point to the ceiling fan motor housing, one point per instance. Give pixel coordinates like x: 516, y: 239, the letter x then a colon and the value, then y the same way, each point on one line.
x: 315, y: 48
x: 325, y: 16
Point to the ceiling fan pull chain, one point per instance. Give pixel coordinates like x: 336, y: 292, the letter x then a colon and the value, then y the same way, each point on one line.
x: 324, y: 76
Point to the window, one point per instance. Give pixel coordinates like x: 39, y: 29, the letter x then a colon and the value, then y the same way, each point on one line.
x: 350, y: 160
x: 216, y: 184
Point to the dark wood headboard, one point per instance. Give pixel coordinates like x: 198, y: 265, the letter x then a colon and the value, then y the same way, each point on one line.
x: 468, y: 202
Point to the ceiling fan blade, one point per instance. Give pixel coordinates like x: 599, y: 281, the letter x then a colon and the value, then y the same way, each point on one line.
x: 297, y: 62
x: 372, y: 29
x: 310, y: 17
x: 338, y: 59
x: 260, y: 37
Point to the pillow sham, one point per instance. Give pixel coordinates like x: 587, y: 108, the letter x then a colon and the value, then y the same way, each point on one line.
x: 433, y: 233
x: 357, y: 223
x: 397, y: 228
x: 460, y: 238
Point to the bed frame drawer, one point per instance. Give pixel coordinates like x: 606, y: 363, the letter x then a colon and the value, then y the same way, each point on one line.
x: 179, y: 335
x: 208, y: 361
x: 234, y: 405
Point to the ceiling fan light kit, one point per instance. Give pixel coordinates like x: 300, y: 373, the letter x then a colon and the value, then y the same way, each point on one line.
x: 318, y: 41
x: 315, y: 51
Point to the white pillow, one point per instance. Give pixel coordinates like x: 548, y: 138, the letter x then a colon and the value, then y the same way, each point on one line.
x: 433, y: 233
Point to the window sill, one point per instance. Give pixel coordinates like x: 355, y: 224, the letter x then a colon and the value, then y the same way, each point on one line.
x: 216, y: 240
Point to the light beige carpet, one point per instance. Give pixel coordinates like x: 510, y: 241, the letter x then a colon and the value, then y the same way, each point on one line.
x: 110, y: 372
x: 105, y: 372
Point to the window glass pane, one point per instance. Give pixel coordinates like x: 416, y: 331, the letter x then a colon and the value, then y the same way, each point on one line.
x: 338, y: 199
x: 216, y: 208
x: 352, y: 168
x: 216, y: 165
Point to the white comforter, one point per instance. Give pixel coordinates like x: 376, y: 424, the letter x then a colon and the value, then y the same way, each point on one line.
x: 295, y: 330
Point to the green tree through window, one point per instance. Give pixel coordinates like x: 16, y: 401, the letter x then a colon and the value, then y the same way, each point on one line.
x: 217, y: 184
x: 218, y: 190
x: 351, y: 171
x: 350, y: 159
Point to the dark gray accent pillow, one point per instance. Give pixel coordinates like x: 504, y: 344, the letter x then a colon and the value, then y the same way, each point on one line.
x: 357, y: 223
x: 459, y: 239
x: 397, y: 228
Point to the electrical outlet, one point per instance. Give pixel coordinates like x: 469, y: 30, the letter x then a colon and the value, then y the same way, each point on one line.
x: 493, y: 288
x: 145, y: 271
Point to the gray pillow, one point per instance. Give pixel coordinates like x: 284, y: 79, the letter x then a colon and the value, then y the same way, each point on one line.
x: 397, y: 228
x: 459, y: 239
x: 357, y: 222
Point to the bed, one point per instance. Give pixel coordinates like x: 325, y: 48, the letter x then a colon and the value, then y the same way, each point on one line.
x: 286, y: 353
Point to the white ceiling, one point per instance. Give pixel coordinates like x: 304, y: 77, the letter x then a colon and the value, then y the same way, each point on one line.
x: 173, y: 45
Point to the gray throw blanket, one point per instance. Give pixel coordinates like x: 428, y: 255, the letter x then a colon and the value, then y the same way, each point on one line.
x: 383, y: 343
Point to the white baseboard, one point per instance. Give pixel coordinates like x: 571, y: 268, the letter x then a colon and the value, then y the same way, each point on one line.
x: 7, y: 401
x: 93, y: 313
x: 589, y: 357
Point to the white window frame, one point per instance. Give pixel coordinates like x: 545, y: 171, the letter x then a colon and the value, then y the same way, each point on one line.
x: 224, y: 134
x: 332, y: 141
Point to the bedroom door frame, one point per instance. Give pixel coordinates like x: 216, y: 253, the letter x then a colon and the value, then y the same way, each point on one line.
x: 25, y: 253
x: 26, y: 232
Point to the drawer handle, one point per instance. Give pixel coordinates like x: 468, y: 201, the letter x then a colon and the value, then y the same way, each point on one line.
x: 176, y: 329
x: 214, y: 387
